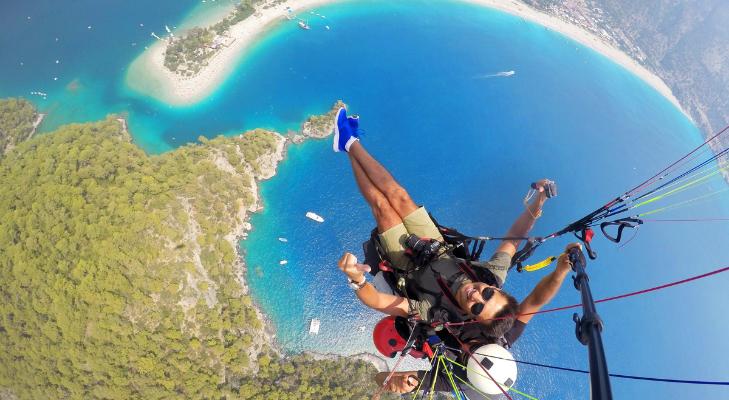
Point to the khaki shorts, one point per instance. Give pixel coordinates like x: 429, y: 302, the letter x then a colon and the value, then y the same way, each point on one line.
x: 417, y: 223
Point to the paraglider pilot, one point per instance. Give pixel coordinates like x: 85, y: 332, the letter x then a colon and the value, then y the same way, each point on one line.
x: 440, y: 284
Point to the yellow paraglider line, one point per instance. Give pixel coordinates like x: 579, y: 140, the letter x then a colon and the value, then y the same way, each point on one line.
x: 511, y: 389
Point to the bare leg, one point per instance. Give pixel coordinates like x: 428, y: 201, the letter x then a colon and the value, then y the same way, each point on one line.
x: 383, y: 212
x: 395, y: 194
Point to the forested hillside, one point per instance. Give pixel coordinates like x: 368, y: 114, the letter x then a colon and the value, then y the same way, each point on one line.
x: 16, y: 122
x: 120, y: 280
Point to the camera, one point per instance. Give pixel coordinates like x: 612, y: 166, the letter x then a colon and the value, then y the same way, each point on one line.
x: 421, y: 250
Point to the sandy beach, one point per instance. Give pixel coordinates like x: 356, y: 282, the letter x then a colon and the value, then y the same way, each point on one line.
x: 148, y: 76
x: 585, y: 38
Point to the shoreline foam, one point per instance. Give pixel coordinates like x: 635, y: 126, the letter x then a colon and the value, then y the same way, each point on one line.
x: 148, y: 75
x: 587, y: 39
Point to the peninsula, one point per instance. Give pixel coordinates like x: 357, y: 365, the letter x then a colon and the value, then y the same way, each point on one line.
x: 121, y: 277
x: 186, y: 70
x: 150, y: 74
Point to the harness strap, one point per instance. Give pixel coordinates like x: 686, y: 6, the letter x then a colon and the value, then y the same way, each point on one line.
x: 478, y: 246
x: 468, y: 271
x: 446, y: 290
x: 622, y: 223
x: 522, y: 255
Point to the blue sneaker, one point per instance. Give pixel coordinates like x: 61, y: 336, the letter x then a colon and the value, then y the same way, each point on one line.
x: 354, y: 125
x: 344, y: 135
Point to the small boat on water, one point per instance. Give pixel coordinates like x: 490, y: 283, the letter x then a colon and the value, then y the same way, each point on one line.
x: 283, y: 239
x: 283, y: 262
x: 314, y: 326
x: 314, y: 217
x: 304, y: 25
x: 326, y: 26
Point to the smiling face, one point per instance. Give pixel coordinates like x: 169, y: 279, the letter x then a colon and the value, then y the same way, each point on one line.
x: 470, y: 296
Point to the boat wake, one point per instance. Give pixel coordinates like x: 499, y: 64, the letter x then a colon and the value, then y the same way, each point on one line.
x: 502, y: 74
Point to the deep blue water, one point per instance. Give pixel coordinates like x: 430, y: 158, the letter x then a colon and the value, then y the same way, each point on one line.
x: 465, y: 146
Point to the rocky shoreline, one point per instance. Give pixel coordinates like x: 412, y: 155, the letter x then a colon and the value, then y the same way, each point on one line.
x: 315, y: 127
x: 379, y: 362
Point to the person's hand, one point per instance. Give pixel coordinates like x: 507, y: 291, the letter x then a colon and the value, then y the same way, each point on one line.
x: 401, y: 382
x: 564, y: 264
x: 348, y: 265
x: 541, y: 187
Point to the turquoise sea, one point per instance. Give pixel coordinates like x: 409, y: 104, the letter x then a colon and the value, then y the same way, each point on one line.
x: 465, y: 145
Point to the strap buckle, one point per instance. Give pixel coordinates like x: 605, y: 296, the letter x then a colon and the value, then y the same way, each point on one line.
x: 585, y: 237
x: 527, y: 251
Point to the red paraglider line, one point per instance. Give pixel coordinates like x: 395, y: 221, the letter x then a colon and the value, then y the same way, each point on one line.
x: 621, y: 296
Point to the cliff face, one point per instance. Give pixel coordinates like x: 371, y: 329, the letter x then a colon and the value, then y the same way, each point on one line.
x: 686, y: 43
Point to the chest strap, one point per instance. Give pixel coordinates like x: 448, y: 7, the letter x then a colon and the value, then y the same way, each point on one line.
x: 447, y: 291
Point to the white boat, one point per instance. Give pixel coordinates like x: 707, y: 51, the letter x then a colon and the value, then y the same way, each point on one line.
x: 326, y: 26
x: 314, y: 326
x: 314, y: 216
x: 283, y: 239
x: 304, y: 25
x: 283, y: 262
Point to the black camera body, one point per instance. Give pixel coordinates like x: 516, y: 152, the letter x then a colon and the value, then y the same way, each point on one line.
x: 421, y: 250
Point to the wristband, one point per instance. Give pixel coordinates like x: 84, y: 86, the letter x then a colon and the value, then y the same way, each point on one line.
x: 357, y: 285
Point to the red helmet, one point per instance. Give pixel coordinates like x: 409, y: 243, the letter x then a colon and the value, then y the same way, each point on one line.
x: 390, y: 336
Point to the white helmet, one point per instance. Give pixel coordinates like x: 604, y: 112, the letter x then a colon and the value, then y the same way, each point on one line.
x: 500, y: 365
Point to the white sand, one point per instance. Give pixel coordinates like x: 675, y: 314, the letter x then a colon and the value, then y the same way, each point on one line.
x: 585, y: 38
x: 148, y: 75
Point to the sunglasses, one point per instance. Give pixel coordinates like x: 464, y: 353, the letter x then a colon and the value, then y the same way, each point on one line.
x: 487, y: 294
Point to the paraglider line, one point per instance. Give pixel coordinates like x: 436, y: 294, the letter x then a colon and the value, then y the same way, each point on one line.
x: 621, y: 296
x: 663, y: 173
x: 687, y: 220
x: 470, y: 355
x: 641, y: 378
x: 470, y: 369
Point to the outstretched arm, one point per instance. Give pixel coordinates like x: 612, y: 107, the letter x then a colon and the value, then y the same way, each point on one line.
x: 367, y: 294
x: 525, y: 222
x: 547, y: 288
